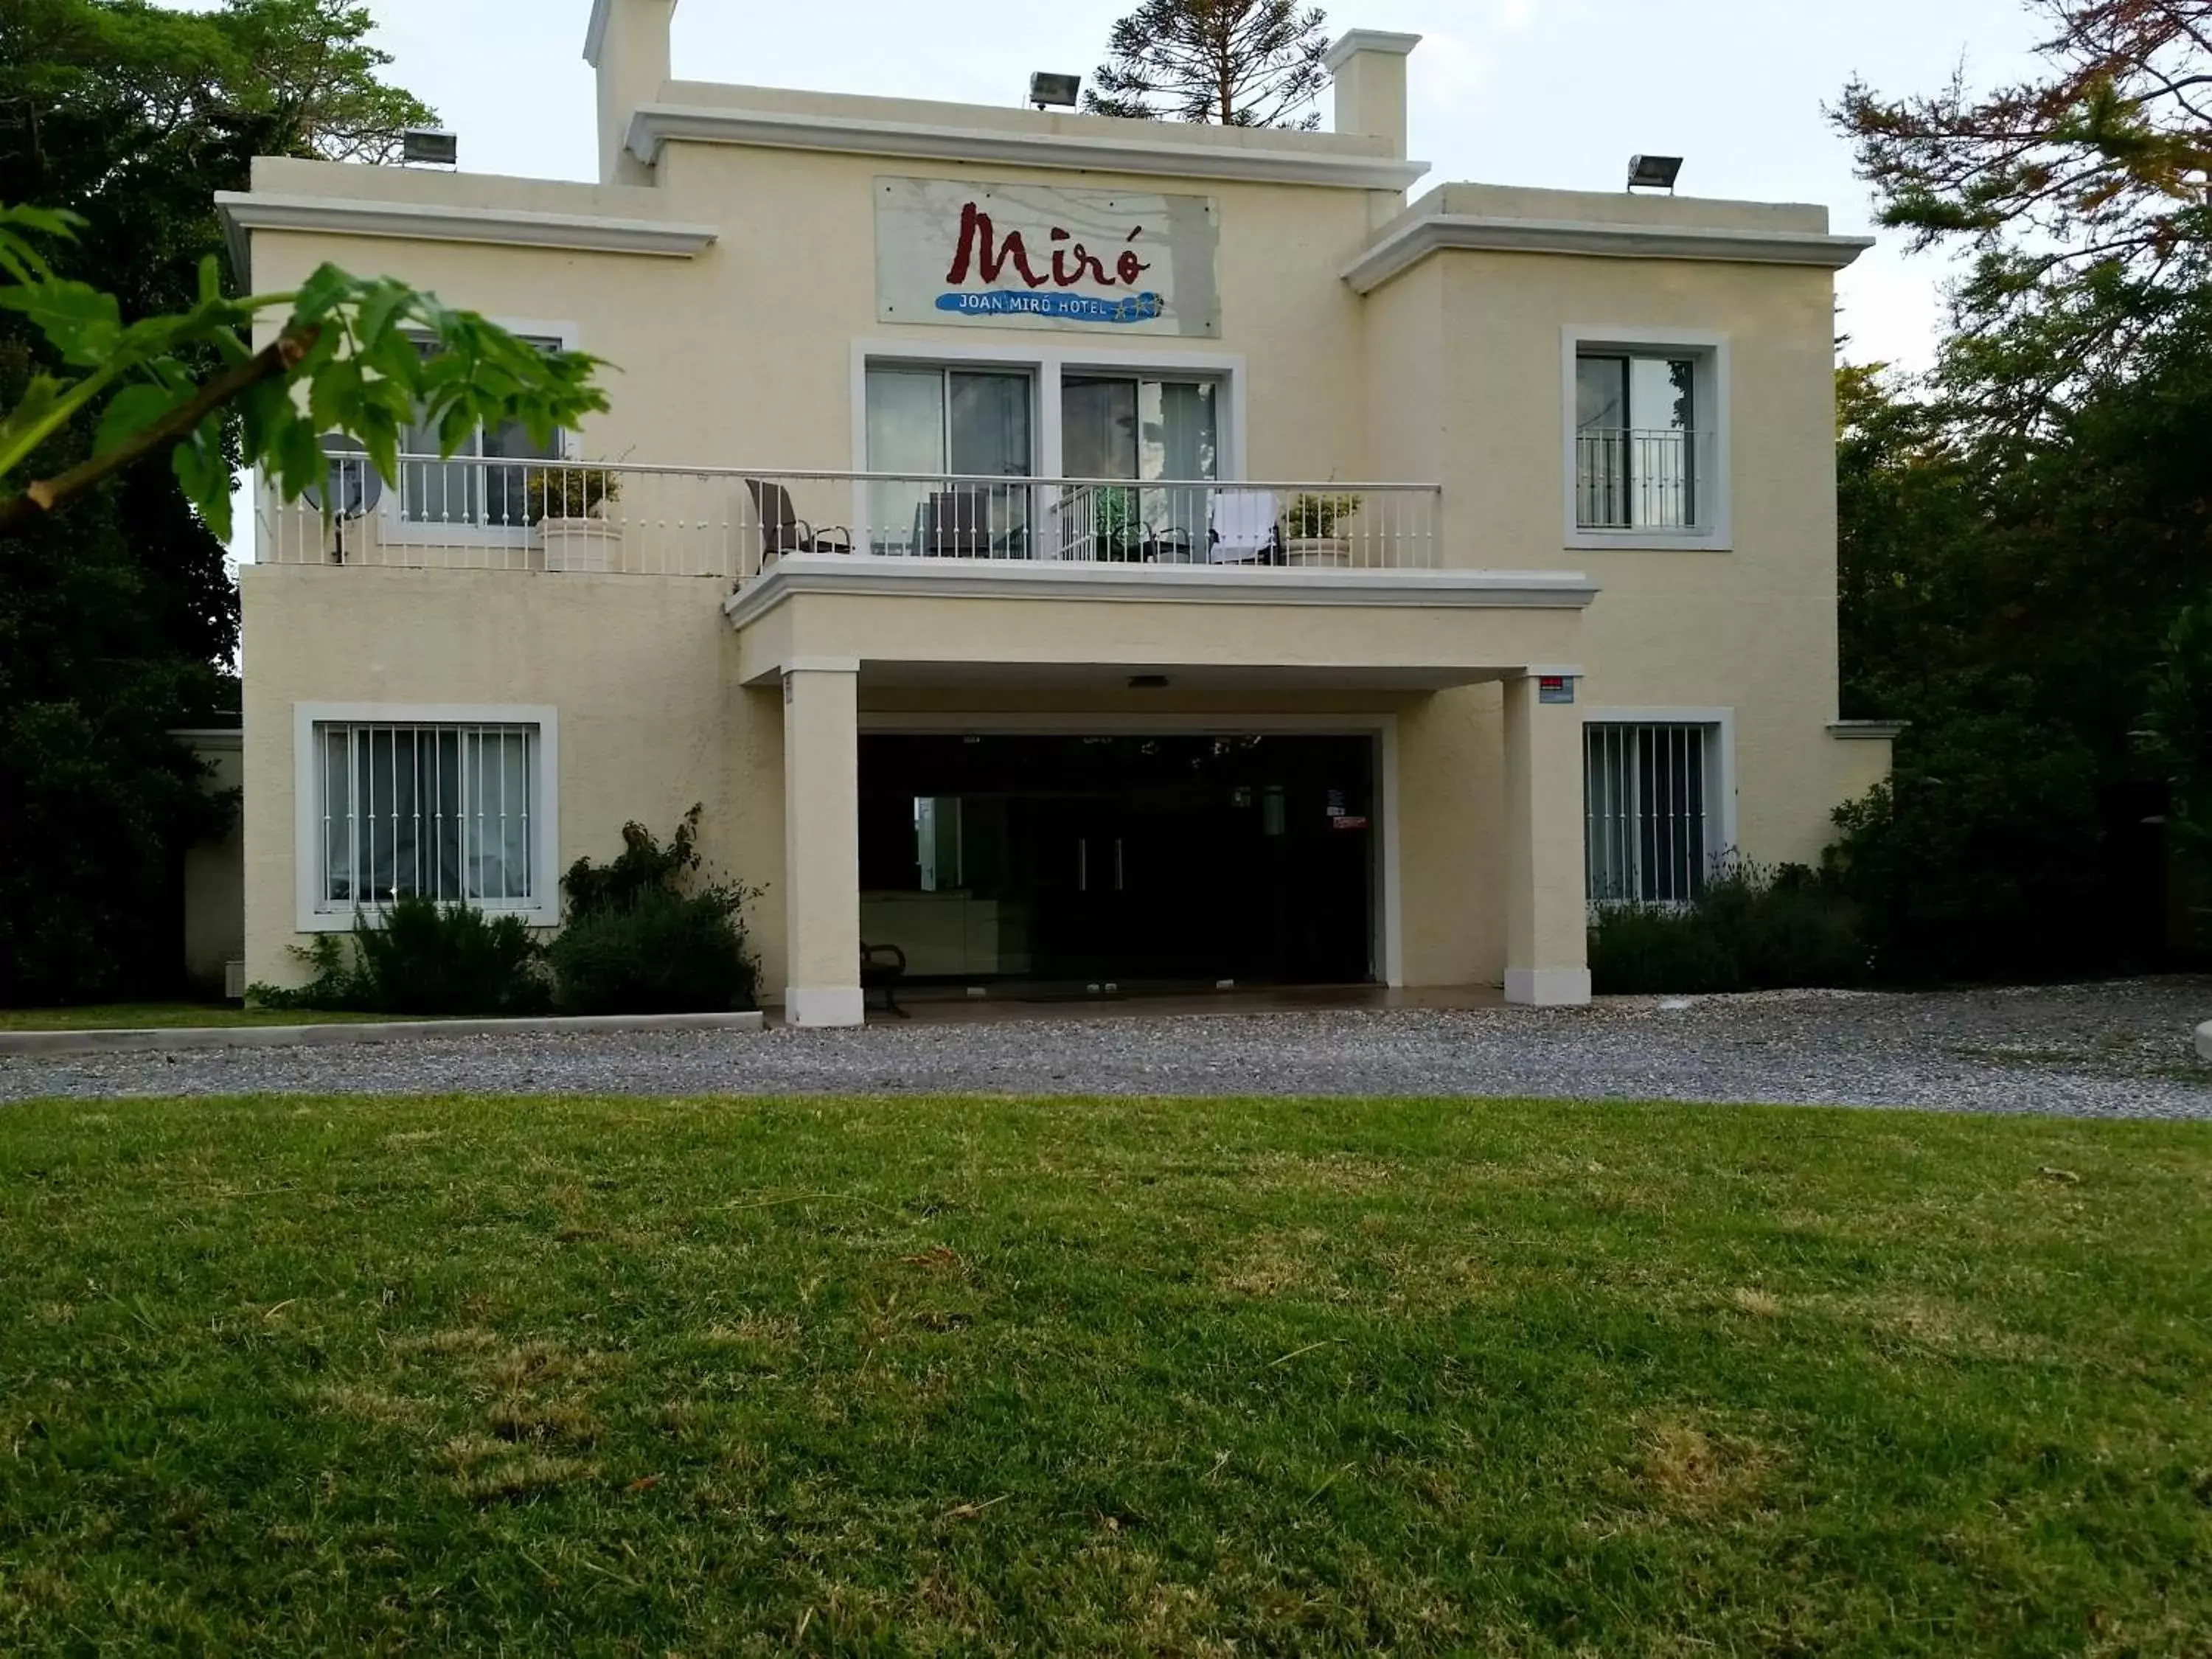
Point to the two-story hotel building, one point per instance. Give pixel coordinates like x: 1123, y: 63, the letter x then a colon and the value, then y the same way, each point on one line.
x: 1079, y: 552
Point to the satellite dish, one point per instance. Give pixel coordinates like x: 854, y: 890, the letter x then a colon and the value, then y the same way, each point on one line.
x: 351, y: 488
x: 351, y: 485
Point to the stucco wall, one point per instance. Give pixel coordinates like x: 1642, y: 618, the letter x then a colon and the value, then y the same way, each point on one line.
x: 1752, y: 628
x: 1450, y: 372
x: 644, y: 674
x: 215, y: 870
x: 641, y: 670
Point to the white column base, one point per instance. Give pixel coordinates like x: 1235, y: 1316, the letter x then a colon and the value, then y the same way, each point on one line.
x: 1548, y: 987
x: 823, y: 1005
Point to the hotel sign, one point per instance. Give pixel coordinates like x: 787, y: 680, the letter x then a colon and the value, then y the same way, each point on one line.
x: 1035, y: 256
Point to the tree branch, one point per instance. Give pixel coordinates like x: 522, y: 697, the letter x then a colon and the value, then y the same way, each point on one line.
x: 45, y: 495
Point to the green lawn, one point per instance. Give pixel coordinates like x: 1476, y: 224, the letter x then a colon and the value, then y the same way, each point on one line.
x: 136, y: 1015
x: 651, y: 1377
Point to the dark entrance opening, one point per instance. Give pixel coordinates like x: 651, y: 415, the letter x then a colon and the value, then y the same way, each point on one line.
x: 1143, y: 861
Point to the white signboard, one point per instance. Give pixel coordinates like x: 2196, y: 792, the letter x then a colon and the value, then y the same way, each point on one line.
x: 1038, y: 257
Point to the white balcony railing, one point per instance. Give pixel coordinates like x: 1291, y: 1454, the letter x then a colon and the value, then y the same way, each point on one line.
x: 1634, y: 480
x: 559, y: 516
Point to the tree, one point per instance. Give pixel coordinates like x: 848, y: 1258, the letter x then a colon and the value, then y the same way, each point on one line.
x: 117, y: 621
x: 1240, y: 62
x: 2086, y: 193
x: 297, y: 75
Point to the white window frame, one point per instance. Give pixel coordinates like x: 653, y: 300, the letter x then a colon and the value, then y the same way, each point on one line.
x: 1710, y: 351
x: 395, y: 531
x: 316, y: 916
x: 1720, y: 769
x: 1046, y: 365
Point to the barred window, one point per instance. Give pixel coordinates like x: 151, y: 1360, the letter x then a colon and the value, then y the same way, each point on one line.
x: 440, y: 812
x: 1647, y: 807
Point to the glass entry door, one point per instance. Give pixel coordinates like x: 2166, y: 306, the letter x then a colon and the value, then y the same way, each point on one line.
x: 943, y: 424
x: 1149, y: 433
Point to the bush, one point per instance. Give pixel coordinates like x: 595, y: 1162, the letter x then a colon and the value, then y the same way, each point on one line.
x: 1753, y: 928
x: 665, y: 953
x: 1982, y: 857
x: 644, y: 936
x: 419, y: 956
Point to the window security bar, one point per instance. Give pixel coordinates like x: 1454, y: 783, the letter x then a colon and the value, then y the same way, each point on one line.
x: 1647, y: 812
x: 1634, y: 480
x: 443, y: 812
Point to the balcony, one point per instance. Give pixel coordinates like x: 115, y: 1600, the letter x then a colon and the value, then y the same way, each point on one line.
x: 1659, y: 480
x: 736, y: 524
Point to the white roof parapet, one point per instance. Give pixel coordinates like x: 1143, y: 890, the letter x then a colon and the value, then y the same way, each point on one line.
x: 655, y: 125
x: 350, y: 215
x: 1417, y: 239
x: 1359, y: 41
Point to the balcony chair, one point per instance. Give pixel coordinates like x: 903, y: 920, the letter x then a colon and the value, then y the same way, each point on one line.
x: 782, y: 531
x: 1245, y: 528
x: 956, y: 524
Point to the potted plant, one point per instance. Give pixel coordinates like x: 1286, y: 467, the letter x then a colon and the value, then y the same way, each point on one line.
x: 1114, y: 520
x: 1311, y: 527
x: 568, y: 505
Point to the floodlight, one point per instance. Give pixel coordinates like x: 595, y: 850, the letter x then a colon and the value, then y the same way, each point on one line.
x: 1055, y: 89
x: 1654, y: 172
x: 430, y: 146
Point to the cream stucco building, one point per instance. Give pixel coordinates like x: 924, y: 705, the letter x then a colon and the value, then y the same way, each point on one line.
x: 1075, y: 551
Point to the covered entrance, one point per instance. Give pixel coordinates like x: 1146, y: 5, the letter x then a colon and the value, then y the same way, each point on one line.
x: 1146, y: 861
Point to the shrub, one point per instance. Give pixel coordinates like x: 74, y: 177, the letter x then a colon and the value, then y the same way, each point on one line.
x: 567, y: 492
x: 1643, y: 948
x: 645, y: 936
x: 1317, y: 513
x: 1982, y: 857
x: 1754, y: 928
x: 418, y: 957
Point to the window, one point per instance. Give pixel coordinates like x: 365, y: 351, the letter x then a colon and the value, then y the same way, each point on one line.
x: 470, y: 489
x: 932, y: 423
x: 457, y: 810
x: 1647, y: 455
x: 1650, y: 800
x: 1636, y: 437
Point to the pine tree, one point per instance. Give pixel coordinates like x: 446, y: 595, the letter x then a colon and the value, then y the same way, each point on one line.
x: 1240, y: 63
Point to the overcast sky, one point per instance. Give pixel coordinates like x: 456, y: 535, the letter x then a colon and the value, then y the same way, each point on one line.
x: 1522, y: 92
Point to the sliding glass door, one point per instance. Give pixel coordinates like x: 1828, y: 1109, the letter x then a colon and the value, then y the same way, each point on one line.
x: 1148, y: 432
x: 939, y: 425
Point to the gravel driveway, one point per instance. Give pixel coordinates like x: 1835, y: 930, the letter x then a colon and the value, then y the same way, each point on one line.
x: 2120, y: 1049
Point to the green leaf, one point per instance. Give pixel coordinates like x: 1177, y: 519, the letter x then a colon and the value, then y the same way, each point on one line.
x: 132, y: 409
x: 82, y: 322
x: 300, y: 460
x: 202, y: 472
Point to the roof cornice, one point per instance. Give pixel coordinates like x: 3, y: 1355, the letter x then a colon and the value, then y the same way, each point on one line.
x: 1417, y: 239
x: 346, y: 216
x: 1198, y: 584
x: 1355, y: 41
x: 595, y: 32
x: 655, y: 125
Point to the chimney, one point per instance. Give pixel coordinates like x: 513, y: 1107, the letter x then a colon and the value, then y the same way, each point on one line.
x: 1370, y: 67
x: 627, y: 42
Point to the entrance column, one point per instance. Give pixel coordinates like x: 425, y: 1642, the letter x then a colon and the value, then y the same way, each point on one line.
x: 1546, y: 914
x: 821, y: 845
